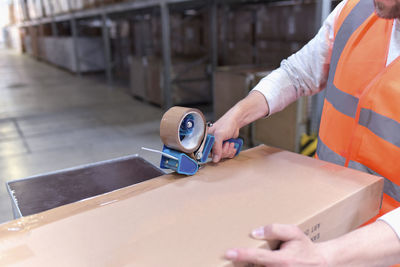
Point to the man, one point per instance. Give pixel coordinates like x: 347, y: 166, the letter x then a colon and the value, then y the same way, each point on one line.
x: 355, y: 56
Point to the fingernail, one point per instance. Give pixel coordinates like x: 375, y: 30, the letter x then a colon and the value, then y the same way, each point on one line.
x: 215, y: 158
x: 258, y: 233
x: 231, y: 254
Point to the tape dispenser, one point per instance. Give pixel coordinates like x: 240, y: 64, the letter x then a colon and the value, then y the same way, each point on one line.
x: 187, y: 144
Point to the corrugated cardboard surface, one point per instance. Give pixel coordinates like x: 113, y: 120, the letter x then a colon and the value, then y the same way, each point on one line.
x: 190, y: 221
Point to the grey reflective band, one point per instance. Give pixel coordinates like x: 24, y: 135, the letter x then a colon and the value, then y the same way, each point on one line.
x: 327, y: 154
x: 357, y: 16
x: 391, y: 189
x: 358, y: 166
x: 343, y: 102
x: 380, y: 125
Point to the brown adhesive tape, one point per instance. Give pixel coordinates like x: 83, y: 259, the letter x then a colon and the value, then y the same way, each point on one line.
x: 170, y: 125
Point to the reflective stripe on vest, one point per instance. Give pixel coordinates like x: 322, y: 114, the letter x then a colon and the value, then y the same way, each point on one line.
x: 389, y: 187
x: 382, y: 126
x: 343, y: 102
x: 350, y: 106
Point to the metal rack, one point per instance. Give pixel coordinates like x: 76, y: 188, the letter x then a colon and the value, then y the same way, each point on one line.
x: 163, y: 7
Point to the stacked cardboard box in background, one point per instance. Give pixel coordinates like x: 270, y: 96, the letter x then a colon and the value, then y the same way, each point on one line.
x: 22, y: 10
x: 189, y: 70
x: 35, y: 9
x: 13, y: 38
x: 278, y: 38
x: 46, y: 8
x: 137, y: 36
x: 60, y: 52
x: 236, y: 37
x: 120, y: 39
x: 286, y: 22
x: 31, y: 42
x: 190, y: 85
x: 12, y: 17
x: 146, y: 35
x: 264, y: 34
x: 56, y: 7
x: 189, y: 34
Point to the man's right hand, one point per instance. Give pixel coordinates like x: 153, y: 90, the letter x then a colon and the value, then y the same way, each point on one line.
x: 225, y: 128
x: 251, y: 108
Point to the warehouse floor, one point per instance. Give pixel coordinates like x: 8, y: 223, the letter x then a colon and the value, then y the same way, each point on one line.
x: 51, y: 119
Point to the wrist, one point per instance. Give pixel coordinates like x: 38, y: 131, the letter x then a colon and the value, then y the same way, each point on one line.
x: 251, y: 108
x: 326, y: 252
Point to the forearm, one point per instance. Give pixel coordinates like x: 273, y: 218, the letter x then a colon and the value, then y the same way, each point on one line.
x: 372, y: 245
x: 249, y: 109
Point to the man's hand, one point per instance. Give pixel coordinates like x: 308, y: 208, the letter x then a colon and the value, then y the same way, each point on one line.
x: 225, y: 128
x: 296, y: 248
x: 251, y: 108
x: 374, y: 245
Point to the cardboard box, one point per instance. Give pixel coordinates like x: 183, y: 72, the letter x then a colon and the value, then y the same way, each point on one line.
x: 12, y: 36
x: 121, y: 44
x: 35, y: 41
x: 144, y: 37
x: 191, y: 221
x: 11, y: 14
x: 238, y: 53
x: 47, y: 8
x: 273, y: 52
x: 138, y: 76
x: 240, y: 24
x: 189, y: 91
x: 189, y: 33
x: 292, y: 22
x: 192, y: 88
x: 60, y: 52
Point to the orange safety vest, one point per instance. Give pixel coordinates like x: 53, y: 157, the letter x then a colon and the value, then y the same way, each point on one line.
x: 360, y: 123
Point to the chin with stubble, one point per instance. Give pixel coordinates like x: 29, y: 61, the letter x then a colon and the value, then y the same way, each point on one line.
x: 387, y: 9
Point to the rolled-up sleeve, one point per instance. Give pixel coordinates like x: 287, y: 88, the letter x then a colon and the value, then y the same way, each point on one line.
x: 303, y: 73
x: 393, y: 220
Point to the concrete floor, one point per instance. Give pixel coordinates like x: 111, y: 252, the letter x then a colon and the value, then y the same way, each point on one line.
x: 51, y: 119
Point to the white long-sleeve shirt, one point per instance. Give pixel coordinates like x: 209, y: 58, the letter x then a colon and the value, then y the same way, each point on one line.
x: 306, y: 73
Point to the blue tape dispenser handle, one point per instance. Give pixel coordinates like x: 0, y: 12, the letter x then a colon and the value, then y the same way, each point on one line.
x: 238, y: 144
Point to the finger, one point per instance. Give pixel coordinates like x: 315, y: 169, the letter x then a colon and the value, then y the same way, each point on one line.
x: 217, y: 148
x: 225, y: 150
x: 253, y: 255
x: 282, y: 232
x: 232, y: 150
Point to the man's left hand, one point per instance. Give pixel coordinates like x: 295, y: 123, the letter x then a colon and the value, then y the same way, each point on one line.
x: 296, y: 248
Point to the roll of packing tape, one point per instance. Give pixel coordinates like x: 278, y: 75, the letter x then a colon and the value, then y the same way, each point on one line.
x: 182, y: 129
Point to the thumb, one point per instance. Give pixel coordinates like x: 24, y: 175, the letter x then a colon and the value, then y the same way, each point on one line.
x: 217, y: 147
x: 217, y: 150
x: 282, y: 232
